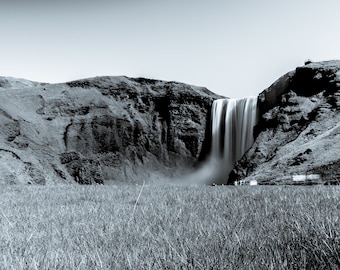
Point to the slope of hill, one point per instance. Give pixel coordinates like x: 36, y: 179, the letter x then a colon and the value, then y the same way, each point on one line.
x: 299, y: 129
x: 119, y: 129
x: 99, y: 129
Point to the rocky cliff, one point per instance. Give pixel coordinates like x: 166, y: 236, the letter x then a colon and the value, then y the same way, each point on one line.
x: 299, y: 128
x: 99, y: 130
x: 119, y: 129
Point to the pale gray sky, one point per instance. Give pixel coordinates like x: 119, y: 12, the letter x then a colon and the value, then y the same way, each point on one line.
x: 233, y: 47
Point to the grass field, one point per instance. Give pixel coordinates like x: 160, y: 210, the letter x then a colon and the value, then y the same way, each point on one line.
x: 169, y: 227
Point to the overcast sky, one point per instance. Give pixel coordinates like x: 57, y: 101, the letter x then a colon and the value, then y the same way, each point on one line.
x: 233, y: 47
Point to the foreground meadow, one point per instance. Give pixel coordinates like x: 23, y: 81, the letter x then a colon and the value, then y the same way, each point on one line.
x: 169, y: 227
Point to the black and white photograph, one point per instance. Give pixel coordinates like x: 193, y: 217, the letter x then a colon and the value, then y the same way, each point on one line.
x: 158, y: 134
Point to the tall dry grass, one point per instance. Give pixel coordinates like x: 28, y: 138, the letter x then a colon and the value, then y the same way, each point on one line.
x: 169, y: 227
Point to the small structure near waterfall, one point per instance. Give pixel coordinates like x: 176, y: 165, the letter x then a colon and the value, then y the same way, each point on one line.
x: 253, y: 183
x: 305, y: 177
x: 245, y: 183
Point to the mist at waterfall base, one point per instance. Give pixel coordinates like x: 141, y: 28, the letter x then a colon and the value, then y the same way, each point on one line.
x: 232, y: 124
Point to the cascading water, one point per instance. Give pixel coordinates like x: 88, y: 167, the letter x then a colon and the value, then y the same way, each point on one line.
x: 232, y: 124
x: 233, y: 121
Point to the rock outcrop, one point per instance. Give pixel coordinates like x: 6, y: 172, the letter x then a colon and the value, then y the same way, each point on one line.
x: 119, y: 129
x: 299, y: 129
x: 99, y: 130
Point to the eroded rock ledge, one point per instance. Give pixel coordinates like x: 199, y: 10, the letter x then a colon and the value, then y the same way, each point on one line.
x: 102, y: 129
x: 299, y: 127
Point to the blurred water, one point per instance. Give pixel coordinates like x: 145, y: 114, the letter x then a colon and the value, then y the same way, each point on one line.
x: 233, y: 121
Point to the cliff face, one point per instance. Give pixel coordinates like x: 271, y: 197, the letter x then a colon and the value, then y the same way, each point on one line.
x: 299, y: 128
x: 99, y: 129
x: 119, y: 129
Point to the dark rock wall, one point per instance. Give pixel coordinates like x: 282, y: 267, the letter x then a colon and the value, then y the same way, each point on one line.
x: 106, y: 128
x: 271, y: 97
x: 298, y: 112
x: 129, y: 130
x: 166, y: 120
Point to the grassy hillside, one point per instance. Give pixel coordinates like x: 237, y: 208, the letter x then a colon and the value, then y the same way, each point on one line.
x: 169, y: 227
x: 99, y: 129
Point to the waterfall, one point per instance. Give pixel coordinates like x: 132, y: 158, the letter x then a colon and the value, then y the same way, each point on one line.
x: 233, y: 121
x: 232, y: 124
